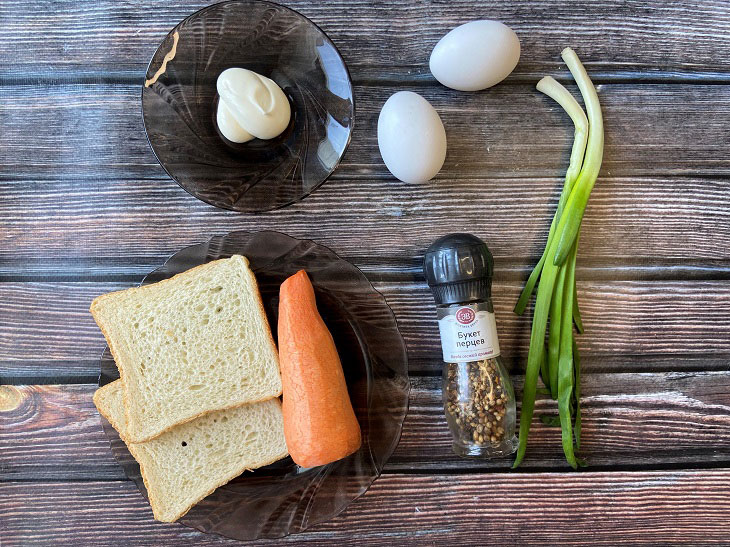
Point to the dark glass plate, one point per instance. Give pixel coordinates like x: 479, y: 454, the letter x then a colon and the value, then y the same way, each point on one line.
x: 179, y: 109
x: 283, y: 498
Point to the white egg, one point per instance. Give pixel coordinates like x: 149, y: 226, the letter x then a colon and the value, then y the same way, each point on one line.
x: 411, y: 137
x: 475, y: 55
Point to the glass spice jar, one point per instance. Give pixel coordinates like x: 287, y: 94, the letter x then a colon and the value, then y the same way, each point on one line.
x: 479, y: 401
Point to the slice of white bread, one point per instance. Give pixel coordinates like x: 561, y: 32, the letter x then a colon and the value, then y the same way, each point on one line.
x: 185, y: 464
x: 188, y: 345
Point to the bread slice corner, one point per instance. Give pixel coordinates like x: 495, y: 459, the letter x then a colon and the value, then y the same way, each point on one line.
x: 108, y: 401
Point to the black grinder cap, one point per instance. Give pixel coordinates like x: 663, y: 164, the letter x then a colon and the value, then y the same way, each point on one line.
x: 459, y: 268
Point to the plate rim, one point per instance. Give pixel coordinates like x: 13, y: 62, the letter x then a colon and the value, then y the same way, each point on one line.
x: 406, y: 375
x: 349, y: 83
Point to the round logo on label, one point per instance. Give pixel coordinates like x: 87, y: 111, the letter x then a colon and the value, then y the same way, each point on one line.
x: 465, y: 316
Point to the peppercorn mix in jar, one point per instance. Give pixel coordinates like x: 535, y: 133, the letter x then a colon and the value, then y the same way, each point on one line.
x: 479, y: 401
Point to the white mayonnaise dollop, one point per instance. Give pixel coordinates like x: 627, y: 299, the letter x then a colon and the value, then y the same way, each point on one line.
x: 250, y: 106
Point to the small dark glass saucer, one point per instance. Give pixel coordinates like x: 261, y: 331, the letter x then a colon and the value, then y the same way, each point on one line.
x: 283, y: 498
x: 179, y: 109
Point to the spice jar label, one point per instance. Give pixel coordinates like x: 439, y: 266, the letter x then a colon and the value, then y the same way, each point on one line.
x: 468, y: 333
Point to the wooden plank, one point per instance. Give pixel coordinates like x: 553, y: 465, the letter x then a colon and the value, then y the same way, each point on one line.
x: 629, y: 222
x: 385, y: 40
x: 629, y: 421
x: 671, y: 507
x: 96, y: 131
x: 59, y: 227
x: 678, y: 324
x: 56, y: 429
x: 626, y: 318
x: 59, y: 332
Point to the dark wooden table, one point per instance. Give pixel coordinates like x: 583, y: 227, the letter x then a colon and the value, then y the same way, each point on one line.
x: 86, y: 209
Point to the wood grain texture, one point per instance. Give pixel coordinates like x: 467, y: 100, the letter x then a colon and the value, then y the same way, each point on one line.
x: 86, y: 209
x: 671, y: 507
x: 381, y: 39
x: 629, y: 421
x: 67, y: 193
x: 56, y: 428
x: 96, y: 131
x: 671, y: 321
x: 112, y: 226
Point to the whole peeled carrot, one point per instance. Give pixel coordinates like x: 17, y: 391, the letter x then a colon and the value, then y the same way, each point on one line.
x: 319, y: 424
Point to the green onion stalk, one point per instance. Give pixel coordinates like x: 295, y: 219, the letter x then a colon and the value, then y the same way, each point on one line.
x: 556, y: 303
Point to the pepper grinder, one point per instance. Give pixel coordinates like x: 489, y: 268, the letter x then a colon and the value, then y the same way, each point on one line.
x: 479, y: 401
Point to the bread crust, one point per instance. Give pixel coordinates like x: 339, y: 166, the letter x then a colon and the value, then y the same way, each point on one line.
x: 117, y: 427
x: 93, y: 308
